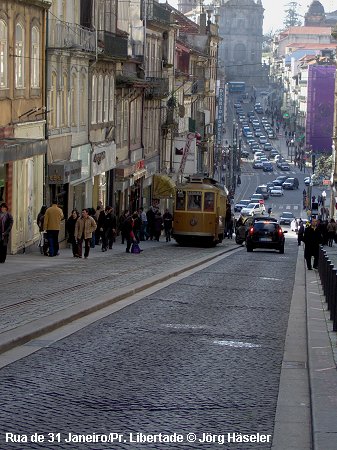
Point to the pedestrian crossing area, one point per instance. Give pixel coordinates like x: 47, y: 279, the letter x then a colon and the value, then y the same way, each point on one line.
x: 277, y: 207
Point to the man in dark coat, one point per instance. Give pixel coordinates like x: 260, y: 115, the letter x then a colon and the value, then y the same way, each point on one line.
x: 108, y: 224
x: 6, y: 223
x: 311, y: 238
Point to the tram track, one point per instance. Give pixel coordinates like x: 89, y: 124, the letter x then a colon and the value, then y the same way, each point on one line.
x: 31, y: 329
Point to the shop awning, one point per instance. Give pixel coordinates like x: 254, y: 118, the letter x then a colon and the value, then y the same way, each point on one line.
x: 163, y: 186
x: 15, y: 149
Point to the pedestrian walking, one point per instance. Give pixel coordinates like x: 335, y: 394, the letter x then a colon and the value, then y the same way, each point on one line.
x: 137, y: 224
x: 107, y: 224
x: 43, y: 242
x: 121, y: 227
x: 332, y: 230
x: 300, y: 232
x: 312, y: 239
x: 6, y: 224
x: 151, y: 214
x: 52, y: 225
x: 230, y: 228
x: 143, y: 228
x: 128, y: 231
x: 168, y: 219
x: 158, y: 224
x: 70, y: 229
x: 84, y: 228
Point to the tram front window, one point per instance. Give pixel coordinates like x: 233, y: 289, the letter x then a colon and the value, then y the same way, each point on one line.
x: 194, y: 201
x: 180, y: 200
x: 209, y: 202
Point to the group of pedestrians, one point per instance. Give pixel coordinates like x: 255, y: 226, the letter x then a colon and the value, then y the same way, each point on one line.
x: 314, y: 234
x: 100, y: 227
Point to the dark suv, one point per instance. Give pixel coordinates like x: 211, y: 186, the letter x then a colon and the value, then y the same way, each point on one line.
x: 265, y: 234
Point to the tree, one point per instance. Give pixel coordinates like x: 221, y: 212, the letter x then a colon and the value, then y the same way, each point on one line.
x: 323, y: 167
x: 292, y: 18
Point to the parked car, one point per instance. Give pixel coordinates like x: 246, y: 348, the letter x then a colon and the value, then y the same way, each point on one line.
x: 265, y: 234
x: 244, y: 153
x: 286, y: 218
x: 263, y: 190
x: 284, y: 166
x: 241, y: 204
x: 252, y: 209
x: 290, y: 183
x: 258, y: 164
x: 258, y: 197
x: 276, y: 191
x: 280, y: 180
x: 267, y: 166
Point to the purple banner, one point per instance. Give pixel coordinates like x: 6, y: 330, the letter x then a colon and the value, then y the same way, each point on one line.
x: 320, y: 108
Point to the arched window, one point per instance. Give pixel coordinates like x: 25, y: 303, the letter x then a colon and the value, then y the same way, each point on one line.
x: 52, y: 101
x: 100, y: 99
x: 64, y: 121
x: 106, y: 99
x: 74, y: 100
x: 112, y: 99
x: 83, y: 96
x: 19, y: 56
x: 35, y: 58
x: 94, y: 100
x: 3, y: 54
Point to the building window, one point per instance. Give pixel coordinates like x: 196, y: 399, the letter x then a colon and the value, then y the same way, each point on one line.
x: 100, y: 99
x: 52, y: 101
x: 83, y: 97
x: 94, y: 100
x: 106, y: 99
x: 35, y: 58
x: 112, y: 99
x: 3, y: 54
x: 19, y: 56
x: 74, y: 100
x: 65, y: 101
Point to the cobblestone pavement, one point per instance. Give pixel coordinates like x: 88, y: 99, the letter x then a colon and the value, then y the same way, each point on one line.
x: 37, y: 291
x: 202, y: 355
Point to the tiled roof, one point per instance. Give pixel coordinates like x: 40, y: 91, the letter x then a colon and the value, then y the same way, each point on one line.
x: 312, y: 45
x: 306, y: 30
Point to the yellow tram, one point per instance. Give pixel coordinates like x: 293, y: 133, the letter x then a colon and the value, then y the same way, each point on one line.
x: 199, y: 212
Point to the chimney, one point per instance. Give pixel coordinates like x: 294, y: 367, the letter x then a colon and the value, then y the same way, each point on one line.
x: 202, y: 23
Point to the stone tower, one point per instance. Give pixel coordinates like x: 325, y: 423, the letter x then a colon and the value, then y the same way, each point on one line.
x: 185, y: 6
x: 240, y: 52
x: 315, y: 17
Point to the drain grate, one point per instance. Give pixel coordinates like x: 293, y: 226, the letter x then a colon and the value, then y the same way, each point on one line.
x: 294, y: 365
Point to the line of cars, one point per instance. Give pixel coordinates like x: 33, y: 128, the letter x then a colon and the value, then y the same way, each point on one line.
x: 263, y: 192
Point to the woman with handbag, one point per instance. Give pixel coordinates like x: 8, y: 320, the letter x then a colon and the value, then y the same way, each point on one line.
x: 70, y: 228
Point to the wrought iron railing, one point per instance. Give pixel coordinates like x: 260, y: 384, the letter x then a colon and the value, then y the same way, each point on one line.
x: 70, y: 36
x: 159, y: 88
x: 112, y: 45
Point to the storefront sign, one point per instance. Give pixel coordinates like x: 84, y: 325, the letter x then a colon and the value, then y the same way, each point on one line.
x: 82, y: 153
x: 63, y: 172
x: 103, y: 158
x: 220, y: 116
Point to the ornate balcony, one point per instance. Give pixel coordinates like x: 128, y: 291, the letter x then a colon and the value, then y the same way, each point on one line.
x: 112, y: 45
x: 159, y: 88
x: 156, y: 12
x: 70, y: 36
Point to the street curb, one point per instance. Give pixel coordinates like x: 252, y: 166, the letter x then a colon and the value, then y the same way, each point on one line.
x: 293, y: 414
x: 23, y: 334
x: 322, y: 367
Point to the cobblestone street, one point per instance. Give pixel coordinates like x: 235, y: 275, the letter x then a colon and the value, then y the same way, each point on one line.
x: 202, y: 355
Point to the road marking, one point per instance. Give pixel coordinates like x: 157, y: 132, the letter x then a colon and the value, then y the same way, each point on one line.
x: 236, y: 344
x: 288, y: 207
x: 296, y: 207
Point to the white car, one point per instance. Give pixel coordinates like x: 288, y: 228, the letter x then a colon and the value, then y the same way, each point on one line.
x: 253, y: 209
x: 276, y: 191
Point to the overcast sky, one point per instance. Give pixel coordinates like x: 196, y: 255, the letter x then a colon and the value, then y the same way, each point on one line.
x: 274, y: 10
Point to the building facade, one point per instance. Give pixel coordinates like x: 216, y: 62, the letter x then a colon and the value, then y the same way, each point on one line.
x: 22, y: 115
